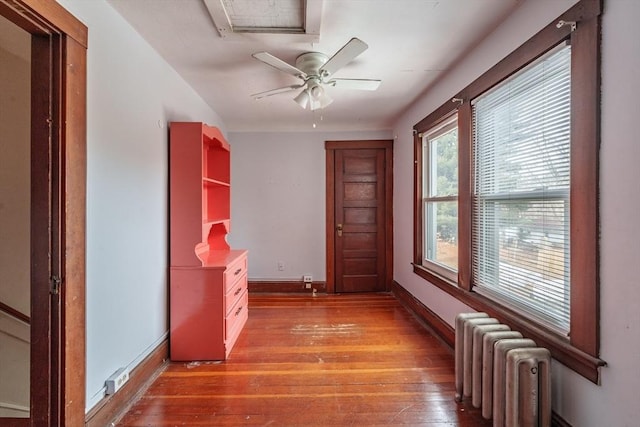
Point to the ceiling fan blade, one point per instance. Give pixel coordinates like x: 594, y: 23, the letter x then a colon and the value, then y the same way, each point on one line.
x: 279, y: 64
x: 276, y: 91
x: 360, y: 84
x: 346, y: 54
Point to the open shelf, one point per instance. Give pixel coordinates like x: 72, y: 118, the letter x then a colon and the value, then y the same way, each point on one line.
x: 216, y: 164
x: 209, y: 181
x: 216, y: 203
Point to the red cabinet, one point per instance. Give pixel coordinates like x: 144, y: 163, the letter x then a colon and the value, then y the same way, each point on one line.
x: 208, y: 280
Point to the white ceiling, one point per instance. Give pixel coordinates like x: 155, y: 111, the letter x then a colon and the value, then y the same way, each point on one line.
x: 411, y: 43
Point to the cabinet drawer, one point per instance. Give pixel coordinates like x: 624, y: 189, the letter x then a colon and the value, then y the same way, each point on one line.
x: 235, y: 320
x: 235, y: 293
x: 234, y: 272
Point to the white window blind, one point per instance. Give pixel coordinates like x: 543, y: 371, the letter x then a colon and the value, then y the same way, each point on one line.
x: 521, y: 141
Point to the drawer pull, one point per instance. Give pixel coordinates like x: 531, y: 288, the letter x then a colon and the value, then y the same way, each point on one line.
x: 238, y: 310
x: 237, y: 291
x: 237, y: 272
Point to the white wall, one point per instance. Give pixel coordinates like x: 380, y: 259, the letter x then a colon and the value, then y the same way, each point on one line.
x: 132, y: 93
x: 278, y: 200
x: 579, y: 401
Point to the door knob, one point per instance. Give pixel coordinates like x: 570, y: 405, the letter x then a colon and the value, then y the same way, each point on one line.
x: 339, y: 229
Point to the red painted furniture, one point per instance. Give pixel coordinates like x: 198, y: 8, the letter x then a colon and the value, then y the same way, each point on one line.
x: 208, y: 280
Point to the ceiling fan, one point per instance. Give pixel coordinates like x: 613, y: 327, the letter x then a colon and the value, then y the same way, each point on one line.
x: 315, y: 70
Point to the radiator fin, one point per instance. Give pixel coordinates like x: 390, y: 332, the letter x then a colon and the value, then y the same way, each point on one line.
x: 459, y: 347
x: 488, y: 344
x: 476, y: 360
x: 528, y: 387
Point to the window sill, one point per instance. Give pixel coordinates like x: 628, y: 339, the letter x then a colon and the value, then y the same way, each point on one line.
x: 561, y: 349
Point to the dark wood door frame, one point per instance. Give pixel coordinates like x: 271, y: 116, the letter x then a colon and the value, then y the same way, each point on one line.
x: 58, y: 135
x: 330, y: 148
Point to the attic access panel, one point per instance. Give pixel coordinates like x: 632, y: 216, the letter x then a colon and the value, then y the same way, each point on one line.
x: 299, y: 19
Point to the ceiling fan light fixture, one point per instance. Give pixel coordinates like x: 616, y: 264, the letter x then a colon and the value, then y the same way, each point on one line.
x: 303, y: 98
x: 319, y: 98
x: 315, y: 105
x: 316, y: 90
x: 324, y: 100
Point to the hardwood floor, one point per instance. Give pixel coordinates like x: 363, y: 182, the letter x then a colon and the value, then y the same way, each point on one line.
x: 330, y: 360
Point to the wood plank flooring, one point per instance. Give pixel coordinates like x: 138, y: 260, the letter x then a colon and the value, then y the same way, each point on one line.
x: 330, y: 360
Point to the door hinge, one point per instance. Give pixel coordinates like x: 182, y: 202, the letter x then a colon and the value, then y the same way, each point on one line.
x: 55, y: 285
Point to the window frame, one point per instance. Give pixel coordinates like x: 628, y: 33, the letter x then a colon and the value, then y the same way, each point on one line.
x: 442, y: 128
x: 580, y: 351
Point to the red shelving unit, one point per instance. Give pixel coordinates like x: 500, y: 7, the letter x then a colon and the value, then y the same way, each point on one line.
x: 208, y: 280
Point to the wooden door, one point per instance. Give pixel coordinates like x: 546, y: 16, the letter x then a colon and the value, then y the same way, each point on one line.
x: 359, y: 225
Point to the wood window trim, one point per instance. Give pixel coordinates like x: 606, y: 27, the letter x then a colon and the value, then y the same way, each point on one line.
x: 420, y: 257
x: 581, y: 351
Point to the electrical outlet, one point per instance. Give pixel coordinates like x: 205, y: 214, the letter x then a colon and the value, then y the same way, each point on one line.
x: 117, y: 380
x: 280, y: 265
x: 307, y: 278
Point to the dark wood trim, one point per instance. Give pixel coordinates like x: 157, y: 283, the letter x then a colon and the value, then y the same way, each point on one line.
x: 43, y: 17
x: 74, y: 162
x: 330, y: 188
x: 44, y: 315
x: 465, y: 186
x: 389, y: 213
x: 285, y: 286
x: 57, y: 220
x: 585, y: 146
x: 441, y: 114
x: 330, y: 147
x: 111, y: 408
x: 418, y: 230
x: 433, y: 322
x: 14, y: 313
x: 367, y: 144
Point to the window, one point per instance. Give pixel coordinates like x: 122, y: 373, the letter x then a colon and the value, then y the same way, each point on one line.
x: 527, y: 194
x: 520, y: 216
x: 440, y: 198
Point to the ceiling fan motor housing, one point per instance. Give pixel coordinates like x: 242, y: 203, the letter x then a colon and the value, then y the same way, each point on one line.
x: 311, y: 62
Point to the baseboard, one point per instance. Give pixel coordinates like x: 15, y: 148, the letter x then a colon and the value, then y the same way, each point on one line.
x: 558, y: 421
x: 285, y: 286
x: 113, y: 407
x: 431, y: 320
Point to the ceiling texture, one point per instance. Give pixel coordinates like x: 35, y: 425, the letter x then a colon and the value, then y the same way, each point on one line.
x: 411, y: 43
